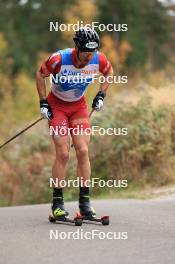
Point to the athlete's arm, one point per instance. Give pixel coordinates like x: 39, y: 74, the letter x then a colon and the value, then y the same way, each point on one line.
x: 106, y: 69
x: 50, y: 66
x: 41, y: 86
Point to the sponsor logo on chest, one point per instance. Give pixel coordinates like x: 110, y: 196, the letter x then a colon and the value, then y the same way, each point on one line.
x: 73, y: 72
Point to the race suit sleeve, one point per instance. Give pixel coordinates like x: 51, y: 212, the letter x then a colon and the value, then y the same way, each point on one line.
x: 51, y: 65
x: 104, y: 64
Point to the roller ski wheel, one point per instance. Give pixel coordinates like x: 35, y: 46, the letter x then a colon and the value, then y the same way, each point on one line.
x: 104, y: 220
x: 77, y: 221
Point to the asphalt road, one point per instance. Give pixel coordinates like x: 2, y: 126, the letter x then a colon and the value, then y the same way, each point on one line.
x: 149, y: 227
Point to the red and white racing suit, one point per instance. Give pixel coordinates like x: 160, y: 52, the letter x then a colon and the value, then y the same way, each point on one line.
x: 67, y: 99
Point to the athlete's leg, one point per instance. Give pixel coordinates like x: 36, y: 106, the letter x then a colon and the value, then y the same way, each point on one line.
x: 58, y: 126
x: 81, y: 143
x: 58, y: 174
x: 62, y: 145
x: 80, y: 118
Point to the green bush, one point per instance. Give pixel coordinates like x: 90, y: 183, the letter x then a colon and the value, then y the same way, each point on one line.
x: 146, y: 154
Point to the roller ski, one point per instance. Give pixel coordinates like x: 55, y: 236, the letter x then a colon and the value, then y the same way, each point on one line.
x: 59, y: 214
x: 77, y: 221
x: 87, y: 213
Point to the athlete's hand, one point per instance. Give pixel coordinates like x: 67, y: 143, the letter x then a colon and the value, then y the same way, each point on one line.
x: 45, y: 109
x: 98, y: 101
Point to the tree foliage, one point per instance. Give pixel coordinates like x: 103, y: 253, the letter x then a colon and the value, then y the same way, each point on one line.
x: 149, y: 29
x: 24, y: 25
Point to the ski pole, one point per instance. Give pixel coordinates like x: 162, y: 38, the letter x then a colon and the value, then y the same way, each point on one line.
x: 89, y: 118
x: 21, y: 132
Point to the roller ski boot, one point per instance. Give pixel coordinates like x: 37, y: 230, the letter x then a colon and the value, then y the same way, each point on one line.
x: 59, y: 214
x: 87, y: 213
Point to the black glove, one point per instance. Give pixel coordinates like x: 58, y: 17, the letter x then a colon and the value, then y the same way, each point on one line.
x: 45, y: 109
x: 98, y: 101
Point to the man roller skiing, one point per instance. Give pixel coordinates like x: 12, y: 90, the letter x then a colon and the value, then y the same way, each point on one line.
x: 65, y: 106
